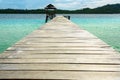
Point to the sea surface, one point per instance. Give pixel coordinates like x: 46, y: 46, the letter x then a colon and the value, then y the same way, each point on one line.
x: 14, y: 27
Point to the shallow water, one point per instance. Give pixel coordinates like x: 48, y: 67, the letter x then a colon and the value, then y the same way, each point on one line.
x: 106, y: 27
x: 13, y: 27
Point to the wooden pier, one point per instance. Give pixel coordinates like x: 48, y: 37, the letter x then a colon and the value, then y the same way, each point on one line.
x: 60, y: 50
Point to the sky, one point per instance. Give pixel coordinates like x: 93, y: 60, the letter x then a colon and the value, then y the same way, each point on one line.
x: 60, y: 4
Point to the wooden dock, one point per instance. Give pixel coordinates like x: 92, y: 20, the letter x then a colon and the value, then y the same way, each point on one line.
x: 60, y: 50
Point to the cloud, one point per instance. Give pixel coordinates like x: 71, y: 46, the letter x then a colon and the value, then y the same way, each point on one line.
x: 78, y: 4
x: 97, y: 3
x: 24, y: 4
x: 67, y: 4
x: 61, y: 4
x: 37, y: 4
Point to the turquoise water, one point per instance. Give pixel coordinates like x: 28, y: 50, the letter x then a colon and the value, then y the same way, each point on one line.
x: 106, y: 27
x: 13, y: 27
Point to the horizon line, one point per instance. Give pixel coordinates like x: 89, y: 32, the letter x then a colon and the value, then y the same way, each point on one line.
x: 59, y: 8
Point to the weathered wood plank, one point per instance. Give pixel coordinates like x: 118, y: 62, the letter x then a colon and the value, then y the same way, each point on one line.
x: 60, y: 50
x: 55, y: 56
x: 106, y: 61
x: 61, y: 44
x: 60, y: 75
x: 60, y: 67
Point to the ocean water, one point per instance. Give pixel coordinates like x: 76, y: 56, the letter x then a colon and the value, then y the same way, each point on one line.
x: 14, y: 27
x: 104, y: 26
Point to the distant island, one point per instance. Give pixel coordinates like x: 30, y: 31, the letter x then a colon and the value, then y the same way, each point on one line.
x: 107, y: 9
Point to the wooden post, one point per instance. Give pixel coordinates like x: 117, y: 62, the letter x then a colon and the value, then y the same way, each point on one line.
x: 68, y: 17
x: 50, y: 12
x: 60, y: 50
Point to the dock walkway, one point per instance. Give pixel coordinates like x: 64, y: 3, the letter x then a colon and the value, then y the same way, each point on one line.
x: 60, y: 50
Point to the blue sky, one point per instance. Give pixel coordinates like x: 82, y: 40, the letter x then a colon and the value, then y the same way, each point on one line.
x: 61, y: 4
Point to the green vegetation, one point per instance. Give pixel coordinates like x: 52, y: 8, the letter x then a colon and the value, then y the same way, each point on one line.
x: 107, y: 9
x: 20, y: 11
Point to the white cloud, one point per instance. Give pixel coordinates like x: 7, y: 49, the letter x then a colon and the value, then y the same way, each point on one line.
x: 37, y: 4
x: 78, y: 4
x: 67, y: 4
x: 61, y: 4
x: 97, y: 3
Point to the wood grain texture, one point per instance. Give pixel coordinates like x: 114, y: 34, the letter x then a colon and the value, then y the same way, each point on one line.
x: 60, y: 50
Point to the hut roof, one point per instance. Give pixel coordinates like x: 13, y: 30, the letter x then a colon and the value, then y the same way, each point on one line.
x: 50, y: 6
